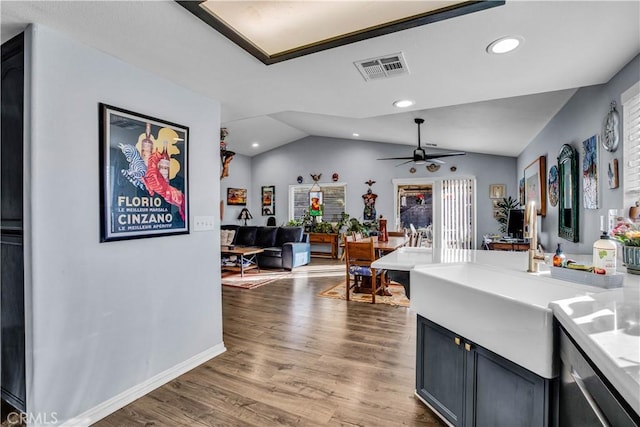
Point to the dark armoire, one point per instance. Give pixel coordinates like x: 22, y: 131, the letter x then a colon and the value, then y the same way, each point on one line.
x: 11, y: 224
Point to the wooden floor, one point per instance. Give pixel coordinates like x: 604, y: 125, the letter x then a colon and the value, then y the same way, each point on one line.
x: 295, y: 359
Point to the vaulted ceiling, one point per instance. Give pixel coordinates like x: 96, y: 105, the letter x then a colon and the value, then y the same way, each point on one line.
x: 470, y: 100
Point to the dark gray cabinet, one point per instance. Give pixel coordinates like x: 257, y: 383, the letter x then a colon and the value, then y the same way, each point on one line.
x: 472, y: 386
x: 11, y: 225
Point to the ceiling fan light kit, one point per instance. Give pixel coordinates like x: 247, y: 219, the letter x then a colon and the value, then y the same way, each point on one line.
x: 420, y: 157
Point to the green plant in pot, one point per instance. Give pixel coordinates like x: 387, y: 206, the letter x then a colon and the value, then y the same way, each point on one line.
x: 322, y: 227
x: 504, y: 206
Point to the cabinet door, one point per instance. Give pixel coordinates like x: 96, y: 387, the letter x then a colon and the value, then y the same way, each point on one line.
x: 440, y: 370
x: 501, y: 393
x: 11, y: 225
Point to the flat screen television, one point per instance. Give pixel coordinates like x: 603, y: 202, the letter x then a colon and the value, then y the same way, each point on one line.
x: 515, y: 223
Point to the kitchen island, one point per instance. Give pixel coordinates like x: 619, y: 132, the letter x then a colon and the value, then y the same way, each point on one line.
x: 499, y: 321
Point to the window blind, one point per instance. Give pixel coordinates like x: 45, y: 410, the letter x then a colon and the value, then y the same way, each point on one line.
x: 631, y: 135
x: 457, y: 210
x: 333, y: 200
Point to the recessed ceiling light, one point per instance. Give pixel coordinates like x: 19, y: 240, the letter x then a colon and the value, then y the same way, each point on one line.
x: 255, y: 144
x: 403, y: 103
x: 355, y: 134
x: 505, y: 44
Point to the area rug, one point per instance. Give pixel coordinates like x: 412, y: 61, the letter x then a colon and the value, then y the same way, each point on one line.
x: 252, y: 279
x: 397, y: 298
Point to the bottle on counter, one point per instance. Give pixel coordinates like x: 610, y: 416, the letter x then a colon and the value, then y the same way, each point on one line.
x: 604, y: 255
x: 559, y: 257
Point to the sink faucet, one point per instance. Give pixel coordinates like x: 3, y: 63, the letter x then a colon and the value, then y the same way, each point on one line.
x: 531, y: 232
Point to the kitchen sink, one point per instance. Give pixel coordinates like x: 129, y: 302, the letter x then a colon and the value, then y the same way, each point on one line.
x: 503, y: 310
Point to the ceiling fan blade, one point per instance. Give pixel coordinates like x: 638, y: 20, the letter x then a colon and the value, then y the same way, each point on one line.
x: 396, y: 158
x: 435, y: 156
x: 404, y: 163
x: 440, y: 162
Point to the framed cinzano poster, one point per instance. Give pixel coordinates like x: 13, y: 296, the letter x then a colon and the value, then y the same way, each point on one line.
x: 143, y: 176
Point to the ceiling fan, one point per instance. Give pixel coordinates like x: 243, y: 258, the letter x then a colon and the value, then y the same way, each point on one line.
x: 419, y: 156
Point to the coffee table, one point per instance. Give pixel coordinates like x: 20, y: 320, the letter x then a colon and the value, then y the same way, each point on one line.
x: 247, y: 256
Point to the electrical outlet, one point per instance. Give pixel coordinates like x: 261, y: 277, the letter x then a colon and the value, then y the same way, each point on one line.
x: 203, y: 223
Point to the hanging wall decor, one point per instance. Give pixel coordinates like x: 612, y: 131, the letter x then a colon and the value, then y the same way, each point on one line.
x: 237, y: 196
x: 315, y: 197
x: 432, y: 167
x: 590, y: 173
x: 553, y: 185
x: 369, y: 199
x: 535, y: 184
x: 315, y: 203
x: 225, y: 155
x: 521, y: 192
x: 268, y: 200
x: 497, y: 191
x: 612, y: 174
x: 143, y: 176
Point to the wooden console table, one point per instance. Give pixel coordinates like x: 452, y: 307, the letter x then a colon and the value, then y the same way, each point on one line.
x: 508, y: 246
x: 324, y: 239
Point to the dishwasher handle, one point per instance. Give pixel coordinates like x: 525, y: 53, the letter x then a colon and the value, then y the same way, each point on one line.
x: 592, y: 403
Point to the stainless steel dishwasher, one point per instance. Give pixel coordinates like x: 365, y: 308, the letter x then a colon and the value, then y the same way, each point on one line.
x: 585, y: 398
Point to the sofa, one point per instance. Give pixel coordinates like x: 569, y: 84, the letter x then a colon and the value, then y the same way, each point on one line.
x: 284, y: 247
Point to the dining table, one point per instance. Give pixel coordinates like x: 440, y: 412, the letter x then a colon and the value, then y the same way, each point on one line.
x: 390, y: 245
x: 382, y: 248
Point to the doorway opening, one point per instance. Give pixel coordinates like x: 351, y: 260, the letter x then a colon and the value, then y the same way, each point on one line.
x: 441, y: 209
x: 415, y: 203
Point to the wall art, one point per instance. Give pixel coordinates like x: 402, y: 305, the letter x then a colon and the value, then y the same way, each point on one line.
x: 535, y: 184
x: 590, y: 173
x: 315, y: 203
x: 268, y: 200
x: 237, y: 196
x: 143, y: 176
x: 497, y: 191
x: 612, y: 174
x: 553, y: 185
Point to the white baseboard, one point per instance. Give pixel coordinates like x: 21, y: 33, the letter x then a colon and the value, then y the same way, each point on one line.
x: 123, y: 399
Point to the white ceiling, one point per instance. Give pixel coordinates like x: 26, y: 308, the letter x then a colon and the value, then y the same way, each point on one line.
x: 470, y: 100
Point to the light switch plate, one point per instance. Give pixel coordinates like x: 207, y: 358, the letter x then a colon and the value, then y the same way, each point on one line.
x: 203, y: 223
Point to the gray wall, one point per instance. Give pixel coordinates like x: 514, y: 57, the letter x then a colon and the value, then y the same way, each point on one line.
x: 355, y: 162
x: 105, y: 318
x: 581, y: 118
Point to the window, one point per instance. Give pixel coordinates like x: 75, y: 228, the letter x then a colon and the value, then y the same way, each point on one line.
x: 631, y: 142
x: 333, y: 199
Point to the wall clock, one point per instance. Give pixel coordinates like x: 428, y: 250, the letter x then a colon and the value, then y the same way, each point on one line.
x: 611, y: 129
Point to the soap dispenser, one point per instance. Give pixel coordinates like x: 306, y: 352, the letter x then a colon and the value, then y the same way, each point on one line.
x: 558, y: 258
x: 604, y: 253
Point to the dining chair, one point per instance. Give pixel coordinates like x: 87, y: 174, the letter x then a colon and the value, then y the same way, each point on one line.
x: 359, y: 254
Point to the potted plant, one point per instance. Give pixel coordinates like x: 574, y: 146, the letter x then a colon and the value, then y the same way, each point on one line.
x: 627, y: 233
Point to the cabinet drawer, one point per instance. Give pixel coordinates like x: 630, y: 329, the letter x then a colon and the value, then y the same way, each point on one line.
x: 322, y: 238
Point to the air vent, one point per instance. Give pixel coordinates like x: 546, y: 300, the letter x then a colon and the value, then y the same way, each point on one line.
x: 382, y: 67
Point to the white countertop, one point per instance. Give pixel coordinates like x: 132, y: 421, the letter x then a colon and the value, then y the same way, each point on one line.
x: 607, y: 328
x: 601, y: 321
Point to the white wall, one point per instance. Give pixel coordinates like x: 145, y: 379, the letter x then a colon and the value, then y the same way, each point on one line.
x: 105, y: 318
x: 582, y: 117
